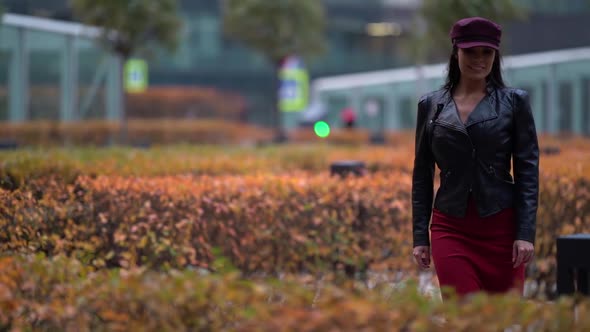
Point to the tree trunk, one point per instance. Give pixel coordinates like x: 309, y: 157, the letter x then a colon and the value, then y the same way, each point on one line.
x: 124, y: 129
x: 280, y: 136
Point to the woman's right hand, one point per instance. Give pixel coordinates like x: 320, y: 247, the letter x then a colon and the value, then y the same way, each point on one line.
x: 422, y: 256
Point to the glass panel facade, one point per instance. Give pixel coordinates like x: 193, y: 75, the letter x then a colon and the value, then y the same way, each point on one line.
x: 558, y: 91
x: 407, y: 110
x: 545, y: 104
x: 565, y: 106
x: 586, y: 105
x: 44, y: 59
x: 92, y: 74
x: 335, y: 104
x: 372, y: 112
x: 47, y: 75
x: 7, y: 40
x: 555, y: 7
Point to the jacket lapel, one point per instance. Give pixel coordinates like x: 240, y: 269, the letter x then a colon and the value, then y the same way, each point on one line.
x: 449, y: 117
x: 484, y: 111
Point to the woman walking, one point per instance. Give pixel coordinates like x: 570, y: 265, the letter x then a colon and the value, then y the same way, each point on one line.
x: 483, y: 221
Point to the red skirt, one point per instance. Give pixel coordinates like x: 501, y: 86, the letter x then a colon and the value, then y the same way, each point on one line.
x: 474, y: 254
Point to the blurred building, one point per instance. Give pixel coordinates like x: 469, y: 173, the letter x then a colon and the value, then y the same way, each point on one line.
x: 558, y: 84
x: 362, y: 36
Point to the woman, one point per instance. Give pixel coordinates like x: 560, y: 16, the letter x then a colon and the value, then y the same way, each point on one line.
x: 483, y: 221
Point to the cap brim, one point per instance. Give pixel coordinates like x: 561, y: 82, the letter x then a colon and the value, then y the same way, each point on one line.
x: 476, y: 44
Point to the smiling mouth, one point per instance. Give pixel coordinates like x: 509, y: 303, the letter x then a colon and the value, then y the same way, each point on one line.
x: 477, y: 68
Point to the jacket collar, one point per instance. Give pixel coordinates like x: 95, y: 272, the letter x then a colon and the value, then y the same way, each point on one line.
x: 485, y: 110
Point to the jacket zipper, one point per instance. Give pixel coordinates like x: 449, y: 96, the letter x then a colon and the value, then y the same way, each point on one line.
x: 464, y: 131
x: 492, y: 170
x: 459, y: 129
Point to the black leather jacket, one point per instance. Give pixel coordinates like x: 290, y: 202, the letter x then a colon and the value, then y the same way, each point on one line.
x: 475, y: 158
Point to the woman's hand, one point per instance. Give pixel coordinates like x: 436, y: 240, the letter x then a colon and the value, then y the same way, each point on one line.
x: 522, y: 252
x: 422, y: 256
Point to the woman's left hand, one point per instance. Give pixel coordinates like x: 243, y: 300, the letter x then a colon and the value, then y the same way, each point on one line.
x: 522, y: 252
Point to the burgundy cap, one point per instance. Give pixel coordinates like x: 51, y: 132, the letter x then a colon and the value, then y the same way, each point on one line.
x: 476, y: 31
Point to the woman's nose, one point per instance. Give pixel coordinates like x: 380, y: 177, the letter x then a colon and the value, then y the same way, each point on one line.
x: 479, y: 58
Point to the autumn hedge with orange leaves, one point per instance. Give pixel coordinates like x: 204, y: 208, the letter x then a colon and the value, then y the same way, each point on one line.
x: 270, y: 211
x: 60, y: 294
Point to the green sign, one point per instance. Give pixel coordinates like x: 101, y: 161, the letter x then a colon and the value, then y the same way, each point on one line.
x: 136, y: 75
x: 294, y: 86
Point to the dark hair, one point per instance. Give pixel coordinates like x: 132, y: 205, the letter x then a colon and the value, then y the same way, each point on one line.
x: 454, y: 73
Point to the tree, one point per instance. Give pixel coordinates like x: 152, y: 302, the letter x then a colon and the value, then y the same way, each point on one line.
x: 277, y: 28
x: 130, y: 27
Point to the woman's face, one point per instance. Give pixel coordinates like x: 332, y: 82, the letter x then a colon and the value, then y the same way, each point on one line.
x: 476, y: 63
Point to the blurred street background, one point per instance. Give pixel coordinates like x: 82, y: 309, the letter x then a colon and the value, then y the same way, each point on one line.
x: 274, y: 65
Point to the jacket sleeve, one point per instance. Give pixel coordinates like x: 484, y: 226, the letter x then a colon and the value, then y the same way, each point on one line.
x: 525, y: 159
x: 422, y: 178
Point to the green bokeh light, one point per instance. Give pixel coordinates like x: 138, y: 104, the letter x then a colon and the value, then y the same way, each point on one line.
x: 322, y: 129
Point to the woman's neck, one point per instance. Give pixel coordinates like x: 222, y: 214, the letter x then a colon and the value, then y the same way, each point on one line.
x: 470, y: 87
